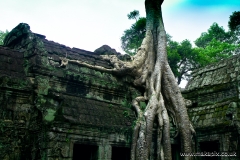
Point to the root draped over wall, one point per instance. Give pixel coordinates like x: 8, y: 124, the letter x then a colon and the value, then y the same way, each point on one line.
x: 151, y: 70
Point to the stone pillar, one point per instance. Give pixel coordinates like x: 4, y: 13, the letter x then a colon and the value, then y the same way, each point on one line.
x: 105, y: 152
x: 225, y: 145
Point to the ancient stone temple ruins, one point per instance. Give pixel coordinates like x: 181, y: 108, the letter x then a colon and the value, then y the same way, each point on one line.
x: 53, y: 112
x: 214, y: 106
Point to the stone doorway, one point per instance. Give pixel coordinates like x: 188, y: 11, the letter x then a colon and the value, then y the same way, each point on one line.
x: 120, y: 153
x: 210, y: 146
x: 176, y: 152
x: 85, y: 152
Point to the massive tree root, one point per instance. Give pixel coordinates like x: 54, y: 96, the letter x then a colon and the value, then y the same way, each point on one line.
x: 151, y: 70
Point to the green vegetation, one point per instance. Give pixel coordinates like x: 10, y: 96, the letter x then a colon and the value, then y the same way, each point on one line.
x: 234, y: 21
x: 216, y: 44
x: 2, y: 36
x: 50, y: 115
x: 214, y: 32
x: 132, y: 38
x: 182, y: 58
x: 212, y: 46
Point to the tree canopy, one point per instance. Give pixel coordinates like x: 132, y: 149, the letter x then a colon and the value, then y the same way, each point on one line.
x: 212, y: 46
x: 133, y: 15
x: 234, y: 21
x: 234, y: 26
x: 180, y: 55
x: 217, y: 44
x: 2, y: 36
x: 182, y: 58
x: 214, y: 32
x: 132, y: 38
x: 215, y: 51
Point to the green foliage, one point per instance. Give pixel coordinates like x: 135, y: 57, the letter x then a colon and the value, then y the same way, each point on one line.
x: 216, y: 44
x: 180, y: 55
x: 212, y: 46
x: 132, y: 38
x: 126, y: 113
x: 215, y: 31
x: 234, y: 26
x: 234, y: 21
x: 2, y: 36
x: 143, y: 106
x: 182, y: 58
x: 125, y: 103
x: 133, y: 15
x: 215, y: 51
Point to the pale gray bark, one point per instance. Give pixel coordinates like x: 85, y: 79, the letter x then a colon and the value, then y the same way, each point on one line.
x: 151, y: 70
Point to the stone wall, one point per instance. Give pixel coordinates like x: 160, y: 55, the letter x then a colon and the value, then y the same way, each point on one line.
x: 47, y: 110
x: 213, y: 106
x: 15, y: 104
x: 52, y: 112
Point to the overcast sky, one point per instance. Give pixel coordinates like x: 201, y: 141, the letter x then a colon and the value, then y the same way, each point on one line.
x: 89, y: 24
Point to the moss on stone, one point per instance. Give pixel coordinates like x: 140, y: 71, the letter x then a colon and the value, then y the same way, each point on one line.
x: 202, y: 117
x: 50, y: 115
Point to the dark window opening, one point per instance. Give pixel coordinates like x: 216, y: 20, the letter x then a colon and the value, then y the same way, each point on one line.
x: 120, y: 153
x: 212, y: 146
x: 85, y: 152
x: 195, y: 104
x: 229, y: 116
x: 176, y: 152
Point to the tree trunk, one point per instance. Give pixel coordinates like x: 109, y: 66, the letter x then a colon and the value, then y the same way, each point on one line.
x: 162, y: 93
x: 151, y: 70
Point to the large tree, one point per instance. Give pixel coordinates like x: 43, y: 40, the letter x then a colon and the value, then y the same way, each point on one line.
x: 151, y: 71
x: 181, y: 56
